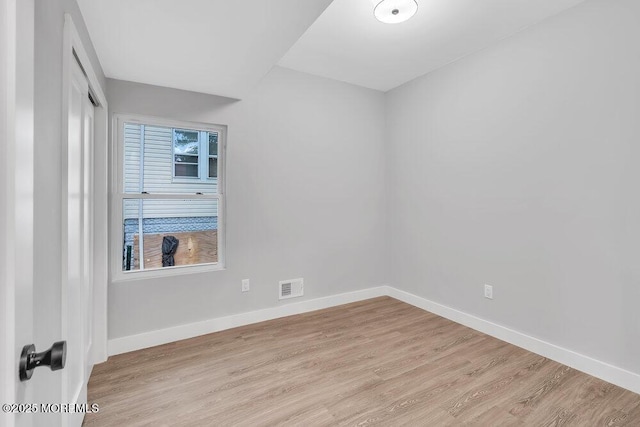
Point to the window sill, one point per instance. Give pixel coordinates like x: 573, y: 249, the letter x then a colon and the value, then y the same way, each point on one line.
x: 121, y: 276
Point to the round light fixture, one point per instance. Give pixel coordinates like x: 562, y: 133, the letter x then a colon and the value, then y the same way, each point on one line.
x: 395, y: 11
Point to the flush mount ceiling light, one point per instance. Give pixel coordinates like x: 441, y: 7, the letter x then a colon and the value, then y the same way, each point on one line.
x: 395, y: 11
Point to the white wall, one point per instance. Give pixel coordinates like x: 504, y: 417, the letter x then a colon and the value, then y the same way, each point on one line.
x: 305, y: 173
x: 518, y: 167
x: 513, y: 167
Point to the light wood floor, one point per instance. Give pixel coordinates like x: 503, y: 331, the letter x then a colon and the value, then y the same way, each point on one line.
x: 376, y: 362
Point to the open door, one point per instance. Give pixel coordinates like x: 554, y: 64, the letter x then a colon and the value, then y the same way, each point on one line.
x: 16, y: 206
x: 30, y: 396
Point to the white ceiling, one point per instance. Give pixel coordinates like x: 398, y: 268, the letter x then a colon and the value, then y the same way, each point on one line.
x: 222, y: 47
x: 347, y: 43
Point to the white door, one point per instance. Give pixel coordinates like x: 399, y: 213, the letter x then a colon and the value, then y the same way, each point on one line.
x: 77, y: 257
x: 87, y: 232
x: 16, y: 206
x: 19, y: 315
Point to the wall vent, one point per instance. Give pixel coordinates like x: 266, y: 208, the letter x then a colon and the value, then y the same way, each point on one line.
x: 291, y: 288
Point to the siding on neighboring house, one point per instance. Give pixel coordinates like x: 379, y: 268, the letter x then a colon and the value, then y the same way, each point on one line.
x: 158, y: 177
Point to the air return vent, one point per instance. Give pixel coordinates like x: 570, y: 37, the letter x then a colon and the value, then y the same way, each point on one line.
x: 291, y: 288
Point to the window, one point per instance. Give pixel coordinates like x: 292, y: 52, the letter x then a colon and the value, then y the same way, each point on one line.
x: 170, y: 197
x: 186, y: 145
x: 195, y: 154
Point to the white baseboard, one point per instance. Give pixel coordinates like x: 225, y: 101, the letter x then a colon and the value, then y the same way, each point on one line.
x: 586, y: 364
x: 597, y: 368
x: 181, y: 332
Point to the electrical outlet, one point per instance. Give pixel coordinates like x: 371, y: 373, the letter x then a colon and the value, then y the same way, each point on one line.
x: 245, y: 285
x: 488, y: 291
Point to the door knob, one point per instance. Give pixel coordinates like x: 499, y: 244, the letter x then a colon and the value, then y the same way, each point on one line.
x: 54, y: 358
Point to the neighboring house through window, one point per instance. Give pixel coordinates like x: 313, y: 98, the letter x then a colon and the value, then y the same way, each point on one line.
x: 170, y: 190
x: 195, y: 154
x: 186, y: 150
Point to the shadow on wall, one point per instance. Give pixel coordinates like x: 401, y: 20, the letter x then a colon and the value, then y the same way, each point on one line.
x: 167, y: 103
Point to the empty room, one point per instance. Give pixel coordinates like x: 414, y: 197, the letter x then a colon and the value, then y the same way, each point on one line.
x: 320, y: 213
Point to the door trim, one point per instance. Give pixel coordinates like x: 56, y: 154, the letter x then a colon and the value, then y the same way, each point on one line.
x: 72, y: 43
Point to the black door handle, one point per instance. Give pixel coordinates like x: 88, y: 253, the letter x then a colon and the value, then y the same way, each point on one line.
x: 55, y: 358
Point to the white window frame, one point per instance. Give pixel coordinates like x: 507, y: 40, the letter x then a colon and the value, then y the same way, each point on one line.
x: 118, y: 196
x: 209, y: 156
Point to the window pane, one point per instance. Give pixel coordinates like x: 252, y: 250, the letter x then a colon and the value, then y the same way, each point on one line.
x: 186, y: 142
x: 213, y: 143
x: 131, y: 163
x: 175, y: 232
x: 186, y: 159
x: 190, y: 171
x: 213, y: 167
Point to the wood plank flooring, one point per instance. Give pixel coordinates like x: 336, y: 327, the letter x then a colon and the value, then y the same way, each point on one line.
x: 375, y: 362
